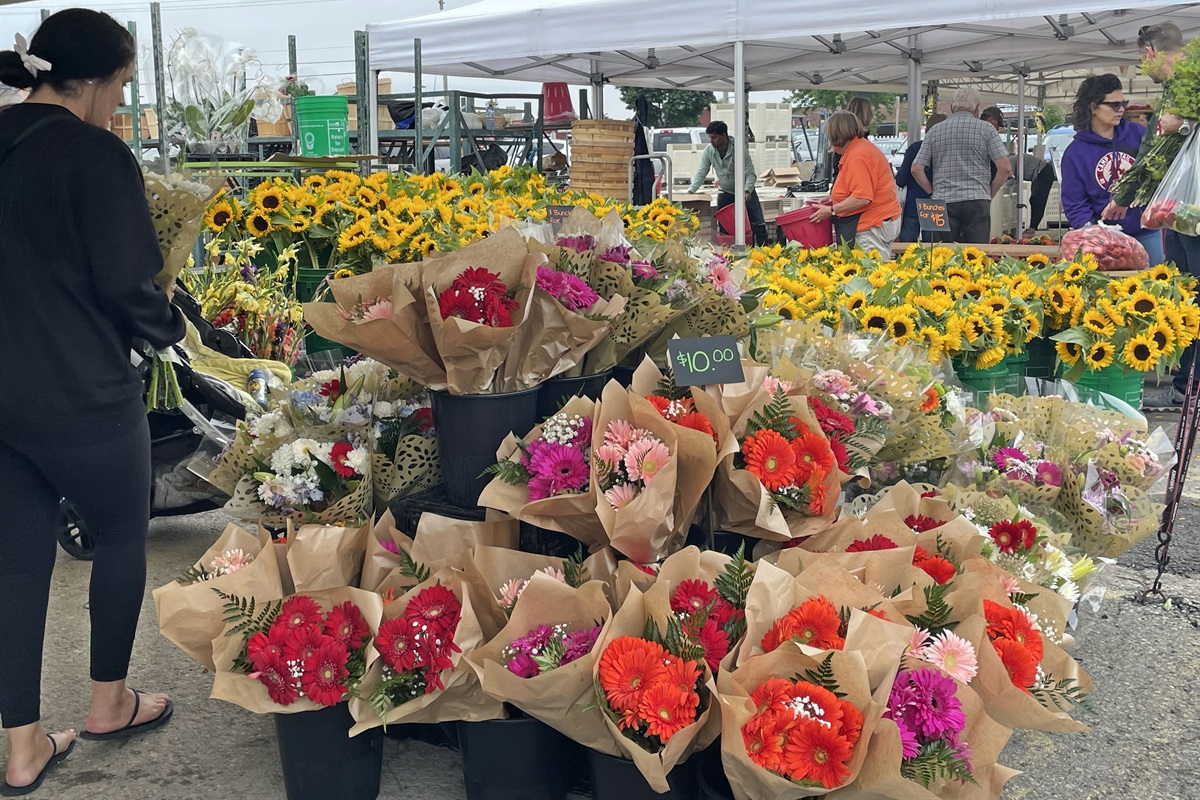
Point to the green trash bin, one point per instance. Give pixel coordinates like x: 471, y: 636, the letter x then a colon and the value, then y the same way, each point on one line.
x: 1115, y: 381
x: 323, y: 124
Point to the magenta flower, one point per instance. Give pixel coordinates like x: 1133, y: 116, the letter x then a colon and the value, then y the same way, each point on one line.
x: 564, y: 466
x: 909, y: 744
x: 580, y: 244
x: 617, y: 255
x: 540, y: 488
x: 390, y: 546
x: 577, y: 295
x: 1048, y: 473
x: 533, y: 642
x: 523, y: 666
x: 936, y: 710
x: 579, y: 644
x: 551, y: 282
x: 583, y: 436
x: 644, y: 270
x: 1005, y: 455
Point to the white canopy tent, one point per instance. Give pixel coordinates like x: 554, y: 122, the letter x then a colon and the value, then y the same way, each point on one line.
x: 740, y: 45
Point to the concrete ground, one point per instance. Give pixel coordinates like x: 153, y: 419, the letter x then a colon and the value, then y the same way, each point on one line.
x: 1144, y: 659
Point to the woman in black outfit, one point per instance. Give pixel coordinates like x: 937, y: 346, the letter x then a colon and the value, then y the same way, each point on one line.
x: 78, y: 253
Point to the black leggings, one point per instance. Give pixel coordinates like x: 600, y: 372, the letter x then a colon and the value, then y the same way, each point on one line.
x: 107, y: 476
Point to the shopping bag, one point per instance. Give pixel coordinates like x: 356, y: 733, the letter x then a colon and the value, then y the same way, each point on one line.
x: 1176, y: 202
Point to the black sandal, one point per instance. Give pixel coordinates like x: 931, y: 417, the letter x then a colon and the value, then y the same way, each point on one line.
x: 8, y: 790
x: 130, y: 729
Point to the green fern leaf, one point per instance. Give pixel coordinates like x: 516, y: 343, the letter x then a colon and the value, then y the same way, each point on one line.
x: 1022, y: 598
x: 733, y: 583
x: 937, y: 613
x: 411, y: 569
x: 667, y: 388
x: 193, y: 575
x: 774, y: 416
x: 823, y: 676
x: 574, y: 570
x: 511, y: 472
x: 936, y: 761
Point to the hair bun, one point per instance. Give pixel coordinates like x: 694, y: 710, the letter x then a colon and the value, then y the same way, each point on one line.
x: 13, y: 72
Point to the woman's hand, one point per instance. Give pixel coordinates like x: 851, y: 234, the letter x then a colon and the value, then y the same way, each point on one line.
x: 821, y: 213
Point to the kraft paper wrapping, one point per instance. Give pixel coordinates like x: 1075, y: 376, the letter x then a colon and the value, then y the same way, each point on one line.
x: 193, y: 616
x: 378, y: 562
x: 572, y: 514
x: 750, y: 781
x: 404, y: 342
x: 1009, y: 705
x: 645, y: 530
x: 251, y: 694
x: 462, y: 699
x: 325, y: 556
x: 630, y: 620
x: 473, y: 353
x: 562, y: 697
x: 738, y: 400
x: 1052, y: 609
x: 907, y: 502
x: 554, y: 340
x: 745, y: 506
x: 444, y: 542
x: 774, y: 593
x: 698, y: 454
x: 490, y: 568
x: 880, y: 777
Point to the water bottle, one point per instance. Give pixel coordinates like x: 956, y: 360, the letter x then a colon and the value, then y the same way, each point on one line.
x: 490, y: 118
x: 256, y: 386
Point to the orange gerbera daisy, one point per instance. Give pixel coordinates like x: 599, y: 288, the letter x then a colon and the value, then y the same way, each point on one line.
x: 852, y: 722
x: 817, y: 753
x: 818, y: 493
x: 671, y: 409
x: 698, y: 422
x: 1011, y: 623
x: 627, y: 667
x: 770, y: 458
x: 1022, y: 669
x: 772, y: 693
x: 666, y: 711
x: 939, y: 569
x: 815, y: 622
x: 813, y: 455
x: 765, y: 735
x: 683, y: 675
x: 931, y: 402
x: 799, y: 427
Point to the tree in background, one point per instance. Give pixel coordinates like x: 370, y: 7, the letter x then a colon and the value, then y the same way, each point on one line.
x: 670, y: 107
x: 804, y: 100
x: 1053, y: 117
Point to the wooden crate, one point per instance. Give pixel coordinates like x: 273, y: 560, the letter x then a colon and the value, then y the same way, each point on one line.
x: 122, y: 125
x: 350, y: 88
x: 282, y: 128
x: 600, y: 153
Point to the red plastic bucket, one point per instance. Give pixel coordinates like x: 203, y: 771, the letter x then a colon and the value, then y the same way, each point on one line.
x: 558, y: 107
x: 798, y: 227
x: 724, y: 218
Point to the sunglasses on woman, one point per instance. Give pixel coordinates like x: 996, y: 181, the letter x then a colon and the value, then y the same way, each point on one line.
x: 1115, y: 105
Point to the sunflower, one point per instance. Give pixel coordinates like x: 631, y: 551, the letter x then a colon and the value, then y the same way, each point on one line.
x: 791, y: 311
x: 856, y: 301
x: 1162, y: 334
x: 874, y: 318
x: 1033, y: 322
x: 1073, y: 273
x: 939, y: 285
x: 343, y: 273
x: 423, y: 244
x: 316, y: 182
x: 299, y: 224
x: 973, y: 255
x: 1190, y: 316
x: 974, y: 327
x: 1097, y: 321
x: 996, y: 303
x: 1141, y: 303
x: 1112, y: 312
x: 270, y: 199
x: 848, y: 271
x: 901, y: 326
x: 1162, y: 273
x: 218, y: 216
x: 1101, y: 355
x: 990, y: 358
x: 1023, y: 287
x: 259, y: 224
x: 354, y: 235
x: 974, y: 288
x: 958, y: 272
x: 1068, y: 352
x: 1140, y: 353
x: 1038, y: 260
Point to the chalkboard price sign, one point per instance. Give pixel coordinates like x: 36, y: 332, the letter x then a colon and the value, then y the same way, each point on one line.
x: 701, y: 361
x: 932, y: 215
x: 557, y: 215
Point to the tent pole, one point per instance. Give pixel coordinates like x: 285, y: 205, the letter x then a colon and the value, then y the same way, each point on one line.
x: 160, y: 85
x: 1020, y: 152
x: 915, y: 106
x: 419, y: 165
x: 740, y: 150
x: 597, y: 90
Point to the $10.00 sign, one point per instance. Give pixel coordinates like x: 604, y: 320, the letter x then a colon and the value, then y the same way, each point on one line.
x: 706, y: 360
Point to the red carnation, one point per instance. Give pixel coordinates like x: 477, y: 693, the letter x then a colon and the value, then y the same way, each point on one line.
x: 876, y: 542
x: 340, y: 464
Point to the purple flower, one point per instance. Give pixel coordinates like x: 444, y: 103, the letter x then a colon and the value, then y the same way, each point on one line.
x: 936, y: 710
x: 523, y: 666
x: 533, y: 642
x: 580, y: 244
x: 617, y: 255
x: 1008, y: 454
x: 909, y: 745
x: 583, y: 436
x: 644, y: 270
x: 863, y: 403
x: 390, y: 546
x: 579, y: 644
x: 564, y: 466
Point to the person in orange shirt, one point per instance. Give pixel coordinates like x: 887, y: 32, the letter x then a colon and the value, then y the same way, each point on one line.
x: 865, y: 186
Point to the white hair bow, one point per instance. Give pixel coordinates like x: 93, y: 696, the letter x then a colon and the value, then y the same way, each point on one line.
x: 31, y: 62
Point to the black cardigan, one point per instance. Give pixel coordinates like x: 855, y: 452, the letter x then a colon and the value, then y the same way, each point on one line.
x: 78, y: 254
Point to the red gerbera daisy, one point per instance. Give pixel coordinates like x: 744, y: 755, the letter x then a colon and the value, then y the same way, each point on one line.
x: 296, y: 613
x: 683, y: 675
x: 261, y: 647
x: 723, y: 611
x: 302, y: 643
x: 715, y: 643
x: 324, y: 674
x: 346, y: 625
x: 919, y: 523
x: 498, y: 310
x: 396, y: 645
x: 939, y: 569
x: 338, y: 456
x: 817, y: 753
x: 772, y: 693
x: 1013, y: 537
x: 461, y: 305
x: 852, y: 722
x: 876, y: 542
x: 840, y: 454
x: 275, y: 675
x: 437, y: 608
x: 764, y: 736
x: 692, y: 595
x: 1018, y: 661
x: 771, y: 459
x: 435, y: 656
x: 830, y: 420
x: 480, y: 278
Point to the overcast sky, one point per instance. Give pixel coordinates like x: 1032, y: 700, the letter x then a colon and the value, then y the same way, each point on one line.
x: 324, y: 30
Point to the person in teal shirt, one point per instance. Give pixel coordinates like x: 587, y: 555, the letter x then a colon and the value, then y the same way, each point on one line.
x: 719, y: 157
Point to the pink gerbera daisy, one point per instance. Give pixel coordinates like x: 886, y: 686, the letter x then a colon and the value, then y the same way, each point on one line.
x: 646, y: 459
x: 381, y: 309
x: 564, y: 466
x: 1049, y: 474
x: 1005, y: 456
x: 917, y: 642
x: 953, y: 655
x: 620, y: 496
x: 621, y: 433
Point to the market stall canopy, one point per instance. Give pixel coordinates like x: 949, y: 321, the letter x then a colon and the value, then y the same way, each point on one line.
x: 686, y: 44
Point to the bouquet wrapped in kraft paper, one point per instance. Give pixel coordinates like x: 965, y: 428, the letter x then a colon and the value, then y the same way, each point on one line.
x: 257, y: 687
x: 405, y: 317
x: 779, y: 615
x: 836, y: 683
x: 508, y: 573
x: 883, y: 773
x: 880, y: 551
x: 529, y: 493
x: 191, y: 613
x: 325, y: 556
x: 658, y: 731
x: 785, y: 481
x: 422, y: 674
x: 640, y: 467
x: 561, y: 695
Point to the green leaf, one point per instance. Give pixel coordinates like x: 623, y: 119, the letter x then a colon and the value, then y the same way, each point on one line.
x: 937, y: 613
x: 1063, y: 695
x: 575, y: 572
x: 936, y: 761
x: 1021, y: 599
x: 511, y: 472
x: 193, y: 575
x: 733, y: 583
x: 774, y: 416
x: 412, y: 569
x: 823, y: 676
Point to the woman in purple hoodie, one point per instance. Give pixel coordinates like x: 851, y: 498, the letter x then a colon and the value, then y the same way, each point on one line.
x: 1104, y: 148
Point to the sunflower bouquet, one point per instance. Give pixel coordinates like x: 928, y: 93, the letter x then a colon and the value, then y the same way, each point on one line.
x: 1141, y: 323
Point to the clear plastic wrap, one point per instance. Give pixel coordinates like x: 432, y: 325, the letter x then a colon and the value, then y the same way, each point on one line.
x: 1113, y: 248
x: 1176, y: 202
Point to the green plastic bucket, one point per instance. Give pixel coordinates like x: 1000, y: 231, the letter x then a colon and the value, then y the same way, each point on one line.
x: 323, y: 124
x: 1042, y: 359
x: 1114, y: 381
x: 308, y: 281
x: 1017, y: 366
x: 996, y: 380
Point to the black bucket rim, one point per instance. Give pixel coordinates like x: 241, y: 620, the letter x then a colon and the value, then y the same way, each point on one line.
x: 580, y: 378
x: 518, y: 393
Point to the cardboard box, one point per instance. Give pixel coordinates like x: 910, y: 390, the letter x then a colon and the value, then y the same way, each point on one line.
x: 780, y: 176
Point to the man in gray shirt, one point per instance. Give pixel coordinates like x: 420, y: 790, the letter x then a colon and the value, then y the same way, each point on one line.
x: 719, y: 157
x: 962, y: 150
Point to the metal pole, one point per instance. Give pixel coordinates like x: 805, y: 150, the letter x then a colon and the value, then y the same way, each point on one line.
x: 293, y: 61
x: 160, y: 85
x: 445, y: 78
x: 1020, y: 153
x: 372, y: 104
x: 915, y: 105
x: 597, y: 90
x: 45, y: 14
x: 418, y: 102
x: 135, y: 103
x: 739, y: 144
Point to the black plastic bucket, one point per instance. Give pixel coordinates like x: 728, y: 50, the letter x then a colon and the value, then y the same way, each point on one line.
x: 557, y: 391
x: 623, y: 374
x: 713, y: 783
x: 546, y: 542
x: 507, y: 759
x: 470, y: 429
x: 320, y: 760
x: 619, y: 779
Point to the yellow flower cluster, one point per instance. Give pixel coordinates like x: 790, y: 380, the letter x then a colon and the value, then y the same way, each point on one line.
x: 955, y: 303
x: 341, y: 221
x: 1142, y: 321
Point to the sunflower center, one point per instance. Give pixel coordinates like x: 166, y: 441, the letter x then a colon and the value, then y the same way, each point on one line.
x: 1143, y: 306
x: 876, y: 322
x: 1160, y: 339
x: 1141, y: 352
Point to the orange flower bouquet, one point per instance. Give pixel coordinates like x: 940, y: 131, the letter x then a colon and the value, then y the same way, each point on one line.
x: 653, y: 687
